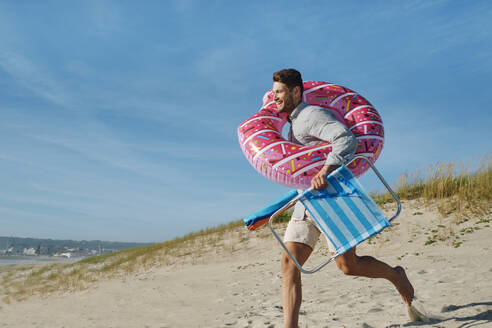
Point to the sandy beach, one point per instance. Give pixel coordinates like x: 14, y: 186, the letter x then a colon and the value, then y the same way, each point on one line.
x: 239, y: 286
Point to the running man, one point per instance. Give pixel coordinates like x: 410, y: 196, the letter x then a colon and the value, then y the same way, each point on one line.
x: 311, y: 125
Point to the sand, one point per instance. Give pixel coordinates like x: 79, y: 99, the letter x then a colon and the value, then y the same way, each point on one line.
x: 241, y: 287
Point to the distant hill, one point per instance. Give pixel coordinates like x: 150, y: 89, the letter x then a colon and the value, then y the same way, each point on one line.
x: 18, y: 245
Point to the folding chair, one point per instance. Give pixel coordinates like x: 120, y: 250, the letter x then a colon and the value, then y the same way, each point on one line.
x: 344, y: 212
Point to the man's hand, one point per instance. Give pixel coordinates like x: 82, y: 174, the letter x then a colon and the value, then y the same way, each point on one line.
x: 319, y: 180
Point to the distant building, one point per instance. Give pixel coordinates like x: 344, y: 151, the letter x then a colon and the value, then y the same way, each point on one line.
x: 29, y: 251
x: 67, y: 255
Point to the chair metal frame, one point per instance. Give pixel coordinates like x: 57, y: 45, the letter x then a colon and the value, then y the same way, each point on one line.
x: 293, y: 201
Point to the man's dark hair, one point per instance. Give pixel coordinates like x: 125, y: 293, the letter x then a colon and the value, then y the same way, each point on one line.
x: 290, y: 77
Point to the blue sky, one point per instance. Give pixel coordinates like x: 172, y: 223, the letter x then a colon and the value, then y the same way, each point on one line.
x: 118, y: 118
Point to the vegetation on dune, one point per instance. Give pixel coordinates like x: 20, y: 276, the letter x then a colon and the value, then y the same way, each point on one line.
x: 453, y: 191
x: 456, y: 191
x: 453, y: 188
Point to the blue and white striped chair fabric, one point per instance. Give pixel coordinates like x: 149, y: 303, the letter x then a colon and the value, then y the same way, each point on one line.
x: 344, y: 212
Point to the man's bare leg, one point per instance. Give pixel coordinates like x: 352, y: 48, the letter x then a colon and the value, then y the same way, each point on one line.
x: 291, y: 283
x: 367, y: 266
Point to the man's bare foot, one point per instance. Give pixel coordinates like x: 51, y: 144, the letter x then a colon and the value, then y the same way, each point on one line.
x: 404, y: 286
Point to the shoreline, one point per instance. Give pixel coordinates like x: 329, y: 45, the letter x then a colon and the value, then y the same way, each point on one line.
x: 10, y: 261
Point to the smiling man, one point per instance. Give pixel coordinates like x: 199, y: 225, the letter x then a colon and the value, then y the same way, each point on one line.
x: 312, y: 125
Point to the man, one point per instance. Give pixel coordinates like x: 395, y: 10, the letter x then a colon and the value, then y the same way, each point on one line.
x: 311, y: 125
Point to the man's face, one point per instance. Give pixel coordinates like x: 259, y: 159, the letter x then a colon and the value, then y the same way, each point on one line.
x: 283, y: 97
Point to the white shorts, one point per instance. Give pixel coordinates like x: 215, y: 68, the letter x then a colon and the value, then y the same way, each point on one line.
x: 304, y: 230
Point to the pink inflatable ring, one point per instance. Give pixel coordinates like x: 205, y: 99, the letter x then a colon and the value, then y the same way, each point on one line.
x: 293, y: 165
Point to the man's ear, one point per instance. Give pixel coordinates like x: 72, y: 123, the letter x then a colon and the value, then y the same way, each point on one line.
x: 297, y: 91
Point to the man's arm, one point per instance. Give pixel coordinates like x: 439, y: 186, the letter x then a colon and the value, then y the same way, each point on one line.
x: 326, y: 127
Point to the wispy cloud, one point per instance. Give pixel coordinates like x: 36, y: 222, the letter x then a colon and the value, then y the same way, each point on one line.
x: 99, y: 146
x: 35, y: 78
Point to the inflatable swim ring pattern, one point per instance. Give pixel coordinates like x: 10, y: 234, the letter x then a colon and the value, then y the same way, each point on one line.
x: 294, y: 165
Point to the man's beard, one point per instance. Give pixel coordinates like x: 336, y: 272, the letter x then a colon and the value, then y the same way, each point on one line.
x: 288, y: 105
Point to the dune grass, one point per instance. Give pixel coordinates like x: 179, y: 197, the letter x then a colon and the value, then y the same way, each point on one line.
x: 462, y: 197
x: 452, y: 188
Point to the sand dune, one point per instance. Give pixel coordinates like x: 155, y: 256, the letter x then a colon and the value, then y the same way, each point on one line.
x: 241, y: 287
